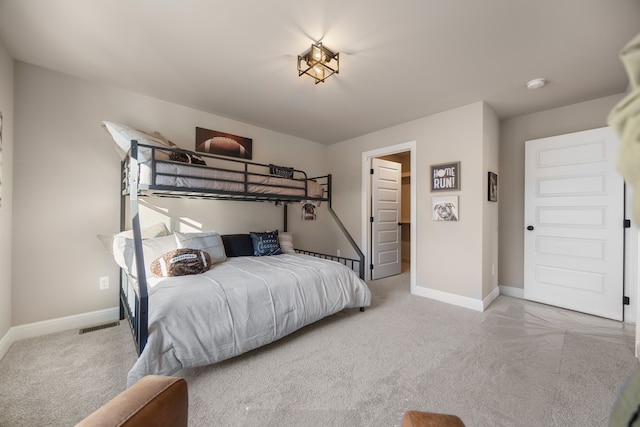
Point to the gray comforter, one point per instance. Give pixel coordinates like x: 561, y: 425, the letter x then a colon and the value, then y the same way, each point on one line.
x: 239, y: 305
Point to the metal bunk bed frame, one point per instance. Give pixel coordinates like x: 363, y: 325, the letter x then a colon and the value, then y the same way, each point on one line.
x: 134, y: 299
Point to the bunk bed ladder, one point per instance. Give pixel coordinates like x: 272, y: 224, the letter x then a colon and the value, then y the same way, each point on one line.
x: 346, y: 232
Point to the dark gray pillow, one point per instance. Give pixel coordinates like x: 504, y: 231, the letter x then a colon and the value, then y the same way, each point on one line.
x: 237, y: 244
x: 265, y: 243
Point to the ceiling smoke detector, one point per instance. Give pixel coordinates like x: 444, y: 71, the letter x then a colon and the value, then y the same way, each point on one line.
x: 536, y: 83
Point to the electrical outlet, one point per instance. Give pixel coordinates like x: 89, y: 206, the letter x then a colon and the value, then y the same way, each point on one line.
x: 493, y: 269
x: 338, y: 252
x: 104, y: 283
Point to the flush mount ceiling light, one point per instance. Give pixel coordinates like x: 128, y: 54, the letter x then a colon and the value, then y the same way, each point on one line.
x: 536, y: 83
x: 318, y: 62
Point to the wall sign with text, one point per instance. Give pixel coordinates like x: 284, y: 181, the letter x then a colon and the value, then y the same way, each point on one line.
x: 445, y: 177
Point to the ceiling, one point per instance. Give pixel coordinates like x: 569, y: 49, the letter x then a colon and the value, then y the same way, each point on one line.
x: 399, y: 60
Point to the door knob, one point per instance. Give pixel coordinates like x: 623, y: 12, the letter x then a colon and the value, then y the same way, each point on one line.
x: 530, y: 228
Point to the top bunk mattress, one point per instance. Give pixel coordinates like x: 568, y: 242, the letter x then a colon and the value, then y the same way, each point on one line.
x: 192, y: 177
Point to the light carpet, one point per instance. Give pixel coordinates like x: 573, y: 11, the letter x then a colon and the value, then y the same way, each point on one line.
x: 517, y: 364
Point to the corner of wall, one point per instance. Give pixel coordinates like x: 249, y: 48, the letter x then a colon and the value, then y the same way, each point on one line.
x: 490, y: 212
x: 6, y: 190
x: 5, y: 342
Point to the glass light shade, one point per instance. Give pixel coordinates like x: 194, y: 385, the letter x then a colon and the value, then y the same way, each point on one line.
x: 318, y: 62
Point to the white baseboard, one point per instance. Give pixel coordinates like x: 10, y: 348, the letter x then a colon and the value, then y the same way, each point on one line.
x: 61, y: 324
x: 510, y: 291
x: 486, y: 302
x: 6, y: 342
x: 460, y: 301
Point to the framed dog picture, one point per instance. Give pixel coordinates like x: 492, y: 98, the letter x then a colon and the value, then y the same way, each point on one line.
x: 445, y: 208
x: 308, y: 212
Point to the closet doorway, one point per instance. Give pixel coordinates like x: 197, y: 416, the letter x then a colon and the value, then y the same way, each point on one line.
x: 404, y: 155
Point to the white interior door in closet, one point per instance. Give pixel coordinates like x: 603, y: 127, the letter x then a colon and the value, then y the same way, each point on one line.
x: 574, y: 212
x: 386, y: 218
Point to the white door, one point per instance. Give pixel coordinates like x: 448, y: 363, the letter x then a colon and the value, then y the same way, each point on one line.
x: 385, y: 225
x: 574, y: 235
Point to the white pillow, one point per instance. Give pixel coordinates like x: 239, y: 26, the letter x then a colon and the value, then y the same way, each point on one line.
x: 286, y: 243
x: 156, y: 240
x: 155, y: 230
x: 122, y: 135
x: 153, y: 249
x: 208, y: 241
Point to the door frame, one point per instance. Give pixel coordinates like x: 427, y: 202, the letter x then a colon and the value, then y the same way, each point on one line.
x: 631, y: 312
x: 366, y: 205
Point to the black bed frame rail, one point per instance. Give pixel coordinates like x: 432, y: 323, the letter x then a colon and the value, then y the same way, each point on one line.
x: 138, y: 315
x: 352, y: 263
x: 245, y: 170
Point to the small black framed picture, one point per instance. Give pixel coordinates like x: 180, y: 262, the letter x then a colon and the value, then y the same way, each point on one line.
x: 493, y: 187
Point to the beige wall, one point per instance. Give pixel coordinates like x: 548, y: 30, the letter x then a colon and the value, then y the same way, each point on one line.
x: 6, y: 107
x: 455, y: 135
x: 66, y: 184
x: 513, y: 134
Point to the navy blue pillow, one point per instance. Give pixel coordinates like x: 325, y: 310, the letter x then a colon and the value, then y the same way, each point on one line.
x: 265, y: 243
x: 237, y: 244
